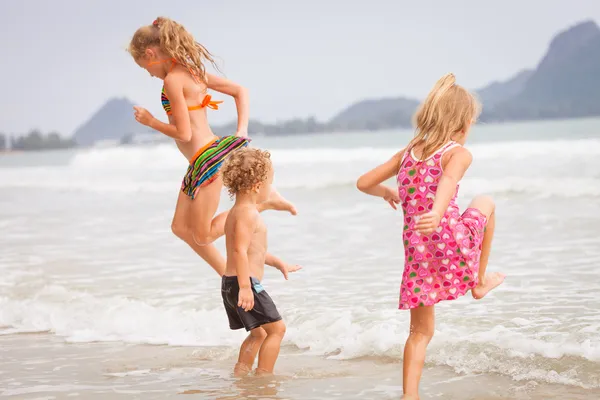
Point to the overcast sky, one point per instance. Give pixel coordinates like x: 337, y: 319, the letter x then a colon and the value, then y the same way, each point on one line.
x: 61, y: 60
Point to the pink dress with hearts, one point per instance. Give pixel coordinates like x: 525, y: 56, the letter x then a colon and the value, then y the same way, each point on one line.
x: 445, y: 264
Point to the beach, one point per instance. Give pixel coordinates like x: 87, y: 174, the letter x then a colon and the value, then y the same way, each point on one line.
x: 98, y: 300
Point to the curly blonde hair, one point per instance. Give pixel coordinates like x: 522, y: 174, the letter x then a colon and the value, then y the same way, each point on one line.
x: 245, y: 169
x: 175, y: 41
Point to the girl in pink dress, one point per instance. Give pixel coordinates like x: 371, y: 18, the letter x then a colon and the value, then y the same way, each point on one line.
x: 446, y: 252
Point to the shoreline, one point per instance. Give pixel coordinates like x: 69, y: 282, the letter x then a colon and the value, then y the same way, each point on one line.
x: 111, y: 143
x: 42, y: 364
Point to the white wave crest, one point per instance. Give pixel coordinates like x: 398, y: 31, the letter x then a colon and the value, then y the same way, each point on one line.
x: 345, y: 334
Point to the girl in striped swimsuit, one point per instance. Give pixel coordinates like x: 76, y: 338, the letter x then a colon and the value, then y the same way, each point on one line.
x: 169, y: 52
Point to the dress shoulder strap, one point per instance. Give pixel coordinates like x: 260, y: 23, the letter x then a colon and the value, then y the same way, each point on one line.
x: 407, y: 151
x: 450, y: 145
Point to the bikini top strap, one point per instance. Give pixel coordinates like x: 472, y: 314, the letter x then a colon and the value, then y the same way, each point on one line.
x: 190, y: 70
x: 194, y: 76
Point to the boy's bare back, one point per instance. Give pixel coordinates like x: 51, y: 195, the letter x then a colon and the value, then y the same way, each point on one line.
x: 244, y: 227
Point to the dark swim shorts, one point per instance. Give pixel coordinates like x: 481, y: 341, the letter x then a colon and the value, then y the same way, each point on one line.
x: 264, y: 311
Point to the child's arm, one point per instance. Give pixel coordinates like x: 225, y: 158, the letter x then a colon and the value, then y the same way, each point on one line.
x: 282, y: 266
x: 181, y: 128
x: 241, y: 235
x: 457, y: 165
x: 239, y: 93
x: 370, y: 183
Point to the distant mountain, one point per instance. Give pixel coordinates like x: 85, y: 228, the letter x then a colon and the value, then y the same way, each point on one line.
x: 375, y: 114
x: 296, y: 125
x: 364, y: 115
x: 113, y: 121
x: 565, y: 84
x: 497, y: 92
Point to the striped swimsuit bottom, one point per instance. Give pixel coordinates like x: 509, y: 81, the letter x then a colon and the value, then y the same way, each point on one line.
x: 207, y: 161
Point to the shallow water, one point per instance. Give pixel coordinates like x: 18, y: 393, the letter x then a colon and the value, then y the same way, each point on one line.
x: 87, y: 256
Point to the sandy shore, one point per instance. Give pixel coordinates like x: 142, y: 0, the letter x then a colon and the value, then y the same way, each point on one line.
x: 43, y: 366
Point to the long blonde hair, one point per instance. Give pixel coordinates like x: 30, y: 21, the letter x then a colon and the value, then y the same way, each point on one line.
x: 175, y: 41
x: 448, y: 109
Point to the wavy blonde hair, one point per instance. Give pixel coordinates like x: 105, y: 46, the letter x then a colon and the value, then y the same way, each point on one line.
x: 447, y: 110
x: 245, y: 169
x: 174, y: 40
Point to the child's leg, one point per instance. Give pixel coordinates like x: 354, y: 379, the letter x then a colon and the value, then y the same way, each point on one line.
x: 486, y: 205
x: 181, y: 227
x: 192, y: 221
x: 275, y: 202
x: 206, y: 228
x: 248, y: 351
x: 422, y: 324
x: 270, y: 347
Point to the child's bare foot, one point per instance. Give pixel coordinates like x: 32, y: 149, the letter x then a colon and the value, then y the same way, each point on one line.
x: 262, y: 372
x: 490, y: 282
x: 409, y: 397
x: 241, y: 370
x: 279, y: 203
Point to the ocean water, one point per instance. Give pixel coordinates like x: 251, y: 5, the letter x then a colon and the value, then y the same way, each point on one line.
x: 99, y: 300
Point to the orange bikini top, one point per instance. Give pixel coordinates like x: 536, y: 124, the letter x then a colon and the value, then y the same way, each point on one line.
x: 206, y: 101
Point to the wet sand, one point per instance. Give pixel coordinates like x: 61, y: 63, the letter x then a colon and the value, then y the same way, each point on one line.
x: 43, y: 366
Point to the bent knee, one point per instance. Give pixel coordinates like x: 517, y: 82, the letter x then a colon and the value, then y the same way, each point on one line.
x: 281, y: 329
x: 485, y: 204
x: 258, y: 333
x: 276, y: 328
x: 180, y: 230
x: 486, y: 200
x: 201, y: 236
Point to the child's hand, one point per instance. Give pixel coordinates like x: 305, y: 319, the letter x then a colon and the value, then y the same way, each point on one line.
x: 287, y: 268
x: 142, y: 115
x: 428, y: 222
x: 392, y: 197
x: 246, y: 299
